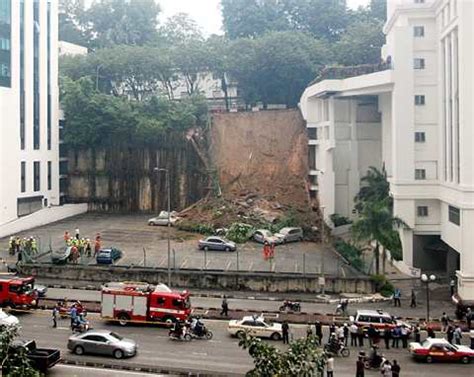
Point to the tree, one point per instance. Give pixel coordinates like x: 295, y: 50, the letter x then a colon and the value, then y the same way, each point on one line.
x: 115, y: 22
x: 179, y: 29
x: 276, y: 67
x: 71, y: 18
x: 374, y: 188
x: 303, y: 358
x: 14, y: 361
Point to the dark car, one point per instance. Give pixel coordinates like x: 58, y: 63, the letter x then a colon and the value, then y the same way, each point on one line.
x: 216, y: 243
x: 61, y: 256
x: 108, y: 256
x: 41, y: 359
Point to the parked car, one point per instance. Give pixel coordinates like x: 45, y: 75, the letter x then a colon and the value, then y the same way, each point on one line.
x: 7, y: 320
x: 439, y: 349
x: 377, y: 318
x: 265, y: 236
x: 61, y: 256
x: 102, y: 342
x: 290, y: 235
x: 256, y: 326
x: 41, y: 289
x: 41, y: 359
x: 162, y: 219
x: 108, y: 255
x: 216, y: 243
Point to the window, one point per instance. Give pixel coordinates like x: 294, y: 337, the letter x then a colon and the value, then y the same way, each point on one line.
x: 36, y: 176
x: 419, y: 63
x: 50, y: 167
x: 420, y: 174
x: 420, y: 137
x: 454, y: 215
x: 419, y: 31
x: 23, y: 176
x: 422, y: 211
x: 419, y: 100
x: 5, y: 43
x: 160, y: 301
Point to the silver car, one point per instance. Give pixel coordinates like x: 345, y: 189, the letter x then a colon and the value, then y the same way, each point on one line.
x: 290, y: 234
x: 265, y: 236
x: 102, y: 342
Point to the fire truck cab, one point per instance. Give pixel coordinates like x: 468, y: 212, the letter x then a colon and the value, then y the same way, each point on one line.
x: 18, y: 292
x: 142, y: 302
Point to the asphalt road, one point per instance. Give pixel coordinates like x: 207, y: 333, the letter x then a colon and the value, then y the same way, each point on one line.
x: 131, y: 234
x: 220, y: 355
x: 80, y: 371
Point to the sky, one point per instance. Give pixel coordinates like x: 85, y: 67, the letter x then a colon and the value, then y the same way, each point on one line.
x: 207, y: 12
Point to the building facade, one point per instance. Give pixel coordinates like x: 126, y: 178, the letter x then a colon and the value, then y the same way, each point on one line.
x: 414, y: 117
x: 29, y: 164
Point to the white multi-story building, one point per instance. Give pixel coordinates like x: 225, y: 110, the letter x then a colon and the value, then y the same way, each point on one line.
x: 28, y: 107
x: 415, y: 117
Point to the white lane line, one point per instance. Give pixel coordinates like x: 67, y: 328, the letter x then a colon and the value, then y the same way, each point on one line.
x: 229, y: 263
x: 184, y: 263
x: 296, y: 267
x: 162, y: 261
x: 207, y: 263
x: 250, y: 266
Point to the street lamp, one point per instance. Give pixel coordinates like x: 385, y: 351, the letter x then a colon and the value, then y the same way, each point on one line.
x: 156, y: 169
x: 427, y: 280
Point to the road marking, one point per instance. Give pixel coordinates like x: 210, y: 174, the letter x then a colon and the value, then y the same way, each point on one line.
x: 162, y: 261
x: 296, y: 266
x: 200, y: 353
x: 250, y: 266
x: 184, y: 263
x: 273, y: 266
x: 229, y: 263
x: 207, y: 263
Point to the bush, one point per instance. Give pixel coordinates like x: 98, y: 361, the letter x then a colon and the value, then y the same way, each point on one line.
x: 339, y: 220
x: 382, y: 285
x: 240, y: 233
x: 351, y: 253
x: 205, y: 229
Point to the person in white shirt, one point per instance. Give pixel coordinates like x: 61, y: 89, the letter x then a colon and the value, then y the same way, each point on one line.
x: 386, y: 369
x: 353, y: 329
x: 330, y: 366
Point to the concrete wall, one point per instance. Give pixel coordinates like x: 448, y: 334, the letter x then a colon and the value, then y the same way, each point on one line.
x: 231, y: 280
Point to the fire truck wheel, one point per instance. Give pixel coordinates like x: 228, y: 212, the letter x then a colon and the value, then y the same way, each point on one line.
x: 78, y: 350
x: 123, y: 319
x: 118, y: 354
x: 169, y: 321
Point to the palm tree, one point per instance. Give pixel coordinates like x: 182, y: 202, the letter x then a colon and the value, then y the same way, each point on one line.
x: 376, y: 223
x: 374, y: 188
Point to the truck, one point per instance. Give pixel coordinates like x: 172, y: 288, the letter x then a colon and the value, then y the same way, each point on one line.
x: 18, y: 292
x: 41, y: 359
x: 142, y: 302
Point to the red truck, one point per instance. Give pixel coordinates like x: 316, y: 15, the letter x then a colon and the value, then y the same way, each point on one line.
x: 18, y: 292
x: 141, y: 302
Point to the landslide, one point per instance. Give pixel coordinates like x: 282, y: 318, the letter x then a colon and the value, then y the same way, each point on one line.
x: 259, y: 160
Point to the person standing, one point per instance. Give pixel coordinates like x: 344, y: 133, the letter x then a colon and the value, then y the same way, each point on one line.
x: 372, y: 334
x: 396, y: 297
x: 77, y: 234
x: 330, y: 366
x: 332, y: 329
x: 96, y: 246
x: 430, y: 331
x: 396, y: 333
x: 285, y: 329
x: 319, y: 332
x: 88, y: 247
x: 309, y: 331
x: 416, y: 331
x: 404, y: 336
x: 73, y: 314
x: 395, y: 369
x: 225, y: 307
x: 452, y: 285
x: 353, y: 330
x: 360, y: 336
x: 386, y: 369
x: 413, y: 299
x: 457, y: 335
x: 469, y: 316
x: 66, y: 237
x: 386, y: 336
x: 54, y: 316
x: 444, y: 321
x: 345, y: 331
x: 450, y: 334
x: 360, y: 367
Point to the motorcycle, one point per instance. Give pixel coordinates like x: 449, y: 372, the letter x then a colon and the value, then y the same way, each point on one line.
x: 182, y: 335
x: 203, y: 333
x: 81, y: 327
x: 342, y: 350
x: 369, y: 363
x: 65, y: 310
x: 341, y: 308
x: 293, y: 306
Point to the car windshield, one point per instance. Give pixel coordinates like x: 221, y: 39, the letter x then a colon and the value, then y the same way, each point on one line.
x: 104, y: 252
x: 116, y: 336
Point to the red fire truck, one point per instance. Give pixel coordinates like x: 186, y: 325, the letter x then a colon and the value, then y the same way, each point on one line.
x: 126, y: 302
x: 18, y: 292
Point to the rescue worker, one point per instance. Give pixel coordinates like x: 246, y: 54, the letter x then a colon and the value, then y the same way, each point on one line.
x: 88, y: 247
x: 11, y: 246
x: 66, y: 237
x: 17, y: 244
x: 77, y: 234
x: 96, y: 246
x: 34, y: 245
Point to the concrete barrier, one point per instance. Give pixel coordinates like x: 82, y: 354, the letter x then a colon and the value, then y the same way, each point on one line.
x: 42, y: 217
x: 203, y: 279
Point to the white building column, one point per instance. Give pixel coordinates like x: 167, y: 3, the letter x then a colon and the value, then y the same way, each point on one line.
x: 466, y: 273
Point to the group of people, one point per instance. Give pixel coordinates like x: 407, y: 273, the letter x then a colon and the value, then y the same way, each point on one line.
x: 76, y: 313
x: 453, y: 332
x: 17, y: 245
x: 81, y: 246
x: 387, y: 368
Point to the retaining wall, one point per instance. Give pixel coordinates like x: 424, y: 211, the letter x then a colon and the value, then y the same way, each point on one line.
x: 202, y: 279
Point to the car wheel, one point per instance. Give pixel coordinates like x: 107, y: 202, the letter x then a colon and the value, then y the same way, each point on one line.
x: 123, y: 319
x: 227, y: 248
x: 275, y: 336
x: 429, y: 359
x: 79, y: 350
x: 206, y: 248
x: 151, y: 223
x: 465, y: 360
x: 239, y: 334
x: 118, y: 354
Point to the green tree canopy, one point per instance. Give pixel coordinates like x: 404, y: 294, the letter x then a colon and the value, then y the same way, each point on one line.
x: 14, y: 361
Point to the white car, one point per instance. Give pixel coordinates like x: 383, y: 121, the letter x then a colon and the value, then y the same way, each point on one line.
x: 8, y: 320
x: 264, y: 235
x: 162, y: 219
x: 256, y: 326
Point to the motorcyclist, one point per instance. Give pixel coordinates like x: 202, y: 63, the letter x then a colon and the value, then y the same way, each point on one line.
x: 334, y: 344
x: 80, y: 322
x: 178, y: 329
x: 374, y: 357
x: 199, y: 328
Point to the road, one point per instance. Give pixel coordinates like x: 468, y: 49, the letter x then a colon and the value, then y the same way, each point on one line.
x: 220, y: 356
x: 80, y: 371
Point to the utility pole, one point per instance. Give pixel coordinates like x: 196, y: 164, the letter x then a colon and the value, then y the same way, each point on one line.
x: 167, y: 177
x: 323, y: 244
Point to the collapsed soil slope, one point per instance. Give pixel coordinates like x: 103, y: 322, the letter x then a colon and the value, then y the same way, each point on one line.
x: 263, y: 153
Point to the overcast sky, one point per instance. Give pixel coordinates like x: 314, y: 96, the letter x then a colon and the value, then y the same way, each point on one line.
x: 207, y: 12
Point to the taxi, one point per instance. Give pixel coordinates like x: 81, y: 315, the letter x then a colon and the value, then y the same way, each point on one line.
x: 433, y: 349
x: 256, y: 326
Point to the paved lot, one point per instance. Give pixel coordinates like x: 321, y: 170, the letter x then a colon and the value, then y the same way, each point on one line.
x: 146, y: 245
